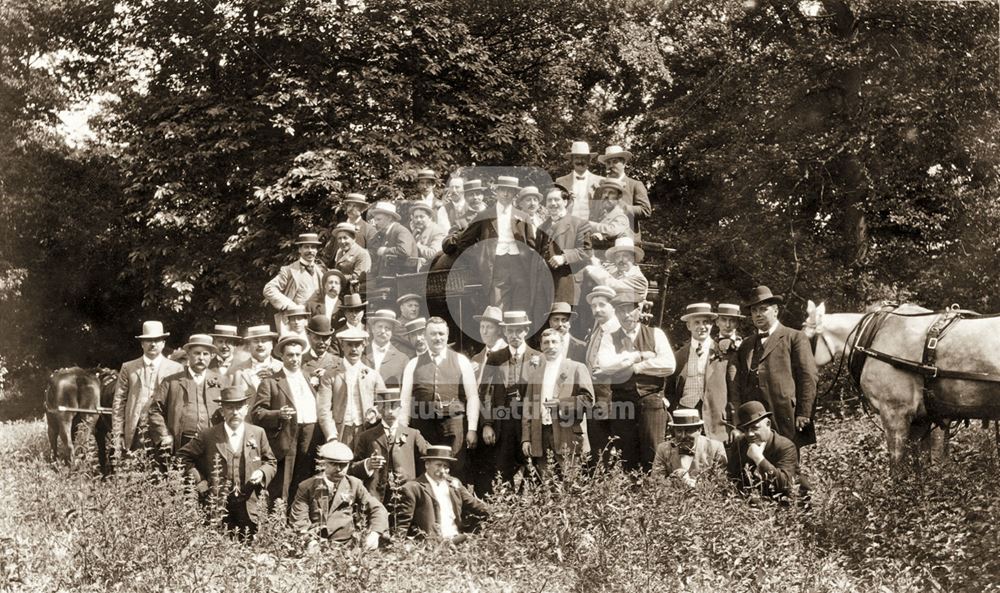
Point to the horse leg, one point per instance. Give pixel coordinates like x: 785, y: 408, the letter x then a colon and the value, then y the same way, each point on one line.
x: 52, y: 419
x: 932, y: 444
x: 896, y: 423
x: 66, y: 434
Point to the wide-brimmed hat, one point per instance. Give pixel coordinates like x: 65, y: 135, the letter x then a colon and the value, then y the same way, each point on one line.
x: 615, y: 151
x: 527, y: 191
x: 508, y: 182
x: 352, y: 334
x: 762, y: 294
x: 427, y: 174
x: 408, y: 297
x: 334, y: 451
x: 601, y: 291
x: 685, y: 417
x: 320, y: 325
x: 490, y: 313
x: 345, y: 227
x: 296, y: 311
x: 387, y: 396
x: 416, y: 325
x: 626, y: 244
x: 308, y: 239
x: 384, y: 315
x: 728, y: 310
x: 562, y: 308
x: 414, y: 206
x: 203, y: 340
x: 232, y: 395
x: 579, y: 148
x: 474, y: 186
x: 260, y: 331
x: 440, y: 452
x: 358, y: 199
x: 750, y: 413
x: 353, y: 301
x: 606, y: 184
x: 152, y: 330
x: 384, y: 208
x: 229, y: 332
x: 698, y: 310
x: 287, y: 339
x: 515, y: 319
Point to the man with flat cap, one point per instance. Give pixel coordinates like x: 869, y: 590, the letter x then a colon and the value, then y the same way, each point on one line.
x: 776, y: 367
x: 761, y: 459
x: 381, y: 353
x: 185, y: 403
x: 687, y: 453
x: 438, y: 505
x: 232, y: 458
x: 346, y: 397
x: 326, y: 504
x: 297, y: 282
x: 699, y: 381
x: 581, y: 182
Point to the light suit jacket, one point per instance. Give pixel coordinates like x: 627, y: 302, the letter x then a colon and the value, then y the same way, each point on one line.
x: 331, y: 399
x: 130, y: 410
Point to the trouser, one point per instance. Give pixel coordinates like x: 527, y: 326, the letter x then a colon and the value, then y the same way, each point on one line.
x: 237, y: 518
x: 638, y: 424
x: 349, y: 435
x: 449, y: 431
x: 543, y: 468
x: 298, y: 464
x: 504, y: 457
x: 510, y: 283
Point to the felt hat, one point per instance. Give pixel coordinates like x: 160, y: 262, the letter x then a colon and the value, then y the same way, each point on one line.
x: 750, y: 413
x: 232, y: 395
x: 287, y: 339
x: 684, y: 417
x: 728, y: 310
x: 320, y: 325
x: 606, y: 184
x: 508, y: 182
x: 384, y: 208
x: 625, y: 298
x: 626, y: 244
x: 473, y: 186
x: 493, y: 314
x: 601, y: 291
x: 226, y: 331
x: 335, y: 451
x: 579, y: 148
x: 515, y: 319
x: 352, y: 335
x: 358, y: 199
x: 345, y: 227
x: 762, y: 294
x: 308, y: 239
x: 527, y: 191
x: 203, y: 340
x: 427, y: 174
x: 260, y: 331
x: 334, y: 272
x: 152, y: 330
x: 698, y: 310
x: 567, y: 194
x: 562, y: 308
x: 441, y: 452
x: 615, y: 151
x: 353, y: 301
x: 296, y: 311
x: 414, y: 206
x: 417, y: 325
x: 384, y: 315
x: 407, y: 297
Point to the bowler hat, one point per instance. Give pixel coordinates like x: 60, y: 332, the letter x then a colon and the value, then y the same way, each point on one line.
x: 562, y: 308
x: 353, y: 301
x: 296, y: 311
x: 441, y: 452
x: 490, y: 313
x: 320, y: 325
x: 698, y: 310
x: 750, y: 413
x: 260, y: 331
x: 515, y: 319
x: 336, y: 452
x: 288, y: 339
x: 684, y: 417
x: 232, y: 395
x: 762, y: 294
x: 227, y: 332
x: 352, y: 334
x: 615, y: 151
x: 334, y: 272
x: 203, y: 340
x: 508, y: 182
x: 384, y: 208
x: 601, y: 291
x: 728, y: 310
x: 152, y: 330
x: 626, y: 244
x: 358, y: 199
x: 580, y: 148
x: 345, y: 227
x: 308, y: 239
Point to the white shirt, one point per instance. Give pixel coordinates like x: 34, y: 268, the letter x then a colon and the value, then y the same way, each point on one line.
x: 703, y: 357
x: 549, y: 389
x: 235, y: 436
x: 302, y: 397
x: 468, y: 384
x: 770, y: 330
x: 505, y: 231
x: 428, y: 199
x: 353, y: 414
x: 581, y: 195
x: 198, y: 379
x: 330, y: 305
x: 378, y: 354
x: 449, y: 528
x: 661, y: 365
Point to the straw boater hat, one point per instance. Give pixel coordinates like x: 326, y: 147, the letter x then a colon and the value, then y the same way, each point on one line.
x: 152, y: 330
x: 515, y: 319
x: 762, y: 294
x: 308, y: 239
x: 626, y: 244
x: 335, y: 452
x: 493, y: 314
x: 352, y: 335
x: 358, y: 199
x: 417, y: 325
x: 296, y: 311
x: 384, y: 208
x: 384, y: 315
x: 562, y: 308
x: 473, y: 186
x: 439, y: 452
x: 607, y: 184
x: 353, y: 301
x: 601, y: 291
x: 260, y: 331
x: 728, y: 310
x: 698, y: 310
x: 427, y: 174
x: 203, y: 340
x: 228, y: 332
x: 615, y: 151
x: 685, y: 417
x: 751, y: 413
x: 579, y: 148
x: 345, y: 227
x: 527, y: 191
x: 232, y: 395
x: 414, y: 206
x: 508, y: 182
x: 320, y: 325
x: 387, y: 396
x: 407, y: 297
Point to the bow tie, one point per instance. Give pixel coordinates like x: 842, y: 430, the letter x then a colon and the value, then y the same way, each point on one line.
x: 309, y: 268
x: 581, y: 177
x: 763, y: 335
x: 699, y: 349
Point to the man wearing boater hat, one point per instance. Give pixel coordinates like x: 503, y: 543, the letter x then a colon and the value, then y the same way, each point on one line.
x: 581, y: 182
x: 392, y: 245
x: 226, y: 339
x: 247, y: 374
x: 381, y: 353
x: 233, y: 458
x: 699, y: 381
x: 137, y: 381
x: 761, y: 459
x: 776, y: 367
x: 687, y: 453
x: 438, y: 505
x: 346, y: 396
x: 185, y: 403
x: 297, y: 282
x: 634, y: 200
x: 491, y: 335
x: 351, y: 258
x: 352, y: 208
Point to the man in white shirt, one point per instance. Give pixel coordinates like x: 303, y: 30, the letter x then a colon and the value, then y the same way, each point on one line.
x: 346, y: 397
x: 382, y: 354
x: 437, y: 505
x: 581, y: 182
x: 426, y: 179
x: 700, y: 379
x: 248, y: 373
x: 637, y: 359
x: 297, y: 282
x: 454, y: 206
x: 621, y: 272
x: 227, y: 339
x: 605, y: 323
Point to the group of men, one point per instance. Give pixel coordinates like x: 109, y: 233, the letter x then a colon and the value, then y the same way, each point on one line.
x: 344, y: 408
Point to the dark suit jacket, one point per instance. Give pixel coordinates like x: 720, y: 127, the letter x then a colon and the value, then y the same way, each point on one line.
x: 332, y: 514
x: 273, y: 394
x: 200, y: 454
x: 574, y: 392
x: 715, y: 401
x: 401, y: 457
x: 392, y: 366
x: 775, y: 474
x: 635, y: 202
x: 493, y: 389
x: 569, y: 237
x: 420, y: 515
x: 166, y: 413
x: 786, y: 380
x: 399, y: 245
x: 577, y: 350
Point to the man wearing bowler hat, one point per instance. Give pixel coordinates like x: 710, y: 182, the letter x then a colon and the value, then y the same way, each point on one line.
x: 226, y: 339
x: 346, y: 397
x: 687, y: 453
x: 776, y: 367
x: 353, y: 308
x: 438, y: 505
x: 186, y: 403
x: 381, y: 353
x: 561, y: 319
x: 297, y: 282
x: 321, y: 356
x: 581, y: 182
x: 247, y: 374
x: 699, y: 381
x: 761, y: 460
x: 351, y: 258
x: 231, y: 458
x: 137, y: 381
x: 634, y: 200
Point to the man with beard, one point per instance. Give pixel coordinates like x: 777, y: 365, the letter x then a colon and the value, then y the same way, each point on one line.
x: 296, y: 283
x: 185, y: 403
x: 227, y: 339
x: 426, y: 233
x: 761, y: 459
x: 564, y: 242
x: 699, y: 381
x: 381, y: 355
x: 326, y: 301
x: 621, y: 272
x: 687, y: 453
x: 560, y: 319
x: 247, y: 374
x: 351, y: 259
x: 346, y: 397
x: 436, y: 504
x: 634, y: 200
x: 581, y: 182
x: 234, y: 458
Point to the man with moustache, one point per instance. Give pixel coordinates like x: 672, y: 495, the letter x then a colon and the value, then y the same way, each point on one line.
x: 561, y: 319
x: 454, y: 206
x: 409, y: 306
x: 351, y: 258
x: 699, y: 381
x: 346, y: 397
x: 234, y: 458
x: 392, y: 244
x: 687, y: 453
x: 226, y: 339
x: 761, y: 459
x: 414, y: 331
x: 529, y: 200
x: 634, y: 199
x: 621, y: 272
x: 729, y: 341
x: 436, y: 504
x: 581, y: 182
x: 491, y: 336
x: 137, y: 381
x: 426, y: 233
x: 321, y: 356
x: 353, y: 309
x: 352, y: 208
x: 381, y: 355
x: 247, y: 374
x: 598, y: 417
x: 564, y: 243
x: 296, y: 283
x: 185, y: 403
x: 326, y: 301
x: 426, y: 180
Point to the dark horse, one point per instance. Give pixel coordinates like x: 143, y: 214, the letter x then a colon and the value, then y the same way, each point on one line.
x: 76, y: 395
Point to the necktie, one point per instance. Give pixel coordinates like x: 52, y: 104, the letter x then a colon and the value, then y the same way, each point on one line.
x: 150, y: 374
x: 699, y: 349
x: 628, y: 343
x: 309, y: 269
x: 581, y: 177
x: 758, y: 351
x: 595, y: 345
x: 514, y: 371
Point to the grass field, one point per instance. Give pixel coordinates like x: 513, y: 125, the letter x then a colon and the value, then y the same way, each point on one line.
x: 934, y: 530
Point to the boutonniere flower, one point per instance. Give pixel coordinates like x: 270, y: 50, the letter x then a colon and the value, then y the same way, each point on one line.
x: 400, y: 438
x: 535, y: 360
x: 314, y: 381
x: 563, y: 377
x: 363, y: 374
x: 213, y: 382
x: 252, y: 443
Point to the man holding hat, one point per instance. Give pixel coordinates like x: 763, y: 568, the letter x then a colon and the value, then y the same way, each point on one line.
x: 581, y: 182
x: 321, y: 356
x: 326, y: 503
x: 247, y: 374
x: 381, y: 354
x: 351, y: 258
x: 561, y: 319
x: 234, y: 458
x: 761, y: 460
x: 285, y: 407
x: 636, y: 359
x: 137, y: 380
x: 392, y: 244
x: 227, y: 339
x: 776, y: 367
x: 436, y: 504
x: 687, y: 452
x: 564, y: 243
x: 426, y: 233
x: 186, y: 403
x: 346, y: 397
x: 634, y: 200
x: 296, y: 283
x: 700, y: 381
x: 621, y: 272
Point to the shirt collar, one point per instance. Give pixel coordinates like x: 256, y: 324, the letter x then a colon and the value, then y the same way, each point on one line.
x: 499, y: 345
x: 192, y: 375
x: 234, y: 432
x: 611, y: 325
x: 518, y: 351
x: 152, y: 361
x: 771, y: 329
x: 304, y: 264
